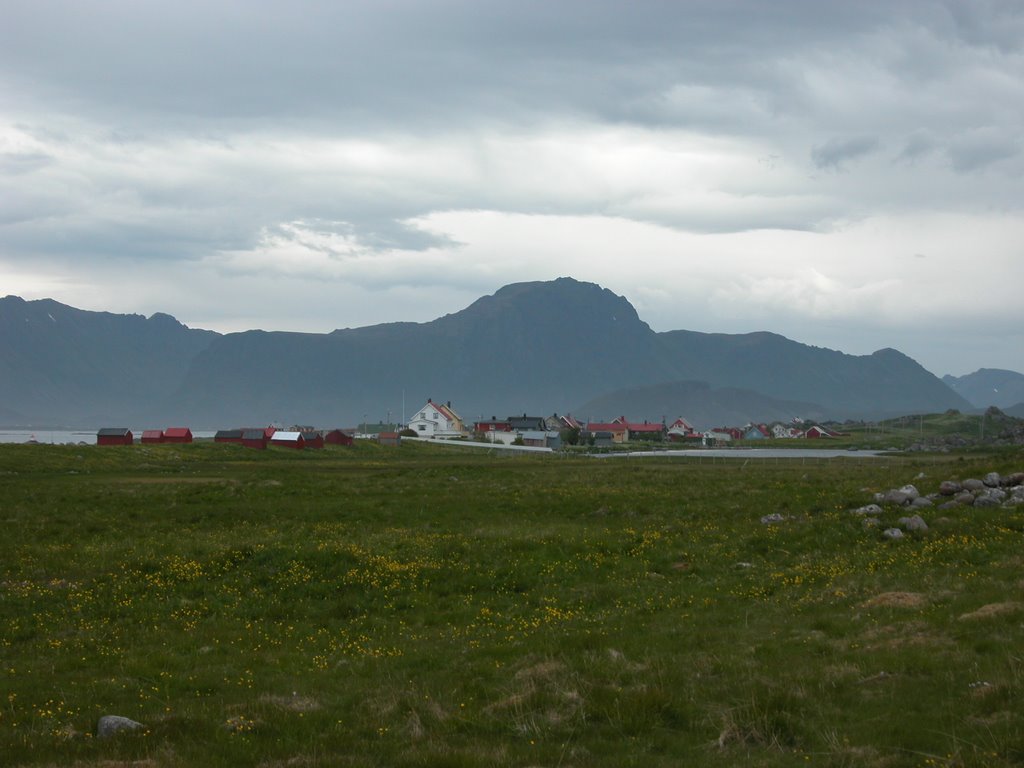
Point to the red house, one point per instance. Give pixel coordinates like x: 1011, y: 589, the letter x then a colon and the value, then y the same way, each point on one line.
x: 177, y: 435
x: 228, y: 436
x: 313, y: 439
x: 115, y: 436
x: 338, y: 437
x: 254, y: 438
x: 288, y: 439
x: 152, y: 436
x: 493, y: 424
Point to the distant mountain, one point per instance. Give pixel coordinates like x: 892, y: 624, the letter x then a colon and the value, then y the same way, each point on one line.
x: 698, y: 403
x: 989, y: 386
x: 69, y: 367
x: 529, y: 347
x: 1017, y: 411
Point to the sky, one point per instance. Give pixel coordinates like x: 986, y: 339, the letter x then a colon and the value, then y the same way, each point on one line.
x: 847, y: 174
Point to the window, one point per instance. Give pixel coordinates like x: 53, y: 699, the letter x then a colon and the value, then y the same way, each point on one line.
x: 422, y: 427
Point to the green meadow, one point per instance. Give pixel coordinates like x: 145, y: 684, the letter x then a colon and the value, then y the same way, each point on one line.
x: 431, y: 606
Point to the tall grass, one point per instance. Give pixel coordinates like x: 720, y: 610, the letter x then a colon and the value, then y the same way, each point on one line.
x: 420, y: 607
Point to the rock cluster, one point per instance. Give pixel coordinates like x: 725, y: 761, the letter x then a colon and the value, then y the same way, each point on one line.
x: 993, y: 490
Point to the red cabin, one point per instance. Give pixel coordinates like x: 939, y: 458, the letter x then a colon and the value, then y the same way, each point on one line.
x: 338, y: 437
x: 115, y: 436
x: 152, y: 436
x: 177, y: 435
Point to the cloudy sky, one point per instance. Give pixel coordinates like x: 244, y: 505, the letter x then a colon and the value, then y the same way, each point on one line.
x: 848, y: 174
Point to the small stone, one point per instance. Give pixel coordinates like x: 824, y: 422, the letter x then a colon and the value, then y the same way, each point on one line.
x: 774, y: 517
x: 992, y: 480
x: 110, y: 725
x: 973, y: 484
x: 892, y: 534
x: 920, y: 502
x: 951, y: 504
x: 869, y: 509
x: 986, y: 501
x: 964, y: 497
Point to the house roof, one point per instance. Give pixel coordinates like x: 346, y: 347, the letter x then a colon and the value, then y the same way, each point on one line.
x: 177, y: 432
x: 646, y: 427
x: 113, y: 432
x: 233, y: 434
x: 612, y: 426
x: 151, y: 433
x: 254, y: 434
x: 287, y: 436
x: 526, y: 422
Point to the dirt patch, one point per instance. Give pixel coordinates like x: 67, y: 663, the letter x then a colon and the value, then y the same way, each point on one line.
x: 993, y: 611
x: 293, y: 703
x: 896, y: 600
x: 172, y: 480
x: 913, y: 634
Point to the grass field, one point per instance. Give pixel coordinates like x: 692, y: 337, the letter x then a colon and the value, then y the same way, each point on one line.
x: 425, y: 606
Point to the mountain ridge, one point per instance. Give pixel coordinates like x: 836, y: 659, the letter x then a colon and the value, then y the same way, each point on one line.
x: 531, y: 347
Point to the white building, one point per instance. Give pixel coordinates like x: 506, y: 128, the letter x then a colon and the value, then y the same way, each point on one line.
x: 437, y: 420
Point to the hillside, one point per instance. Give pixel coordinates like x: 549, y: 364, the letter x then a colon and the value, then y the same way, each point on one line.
x: 703, y: 406
x: 66, y: 366
x: 530, y: 347
x: 989, y: 386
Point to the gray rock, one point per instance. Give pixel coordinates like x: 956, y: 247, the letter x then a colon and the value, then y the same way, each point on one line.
x: 110, y: 725
x: 774, y: 517
x: 871, y: 522
x: 896, y: 498
x: 920, y: 502
x: 914, y: 523
x: 992, y: 480
x: 892, y: 534
x: 973, y: 484
x: 869, y: 509
x: 1013, y: 480
x: 986, y: 501
x: 911, y: 491
x: 950, y: 487
x: 964, y: 497
x: 951, y: 504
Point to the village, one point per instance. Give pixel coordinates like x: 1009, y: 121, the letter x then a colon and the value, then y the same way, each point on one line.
x: 440, y: 421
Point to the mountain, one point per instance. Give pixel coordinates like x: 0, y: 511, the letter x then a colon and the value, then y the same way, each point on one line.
x: 989, y: 386
x: 700, y: 404
x: 530, y: 347
x: 69, y: 367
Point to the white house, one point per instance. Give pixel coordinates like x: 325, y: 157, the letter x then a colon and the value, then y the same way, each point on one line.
x: 437, y: 420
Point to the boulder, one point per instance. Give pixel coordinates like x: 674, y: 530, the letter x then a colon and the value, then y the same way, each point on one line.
x: 986, y: 501
x: 921, y: 501
x: 973, y: 484
x: 964, y: 497
x: 892, y: 534
x: 950, y: 487
x: 992, y: 480
x: 914, y: 524
x: 1014, y: 480
x: 911, y: 491
x: 109, y: 725
x: 895, y: 498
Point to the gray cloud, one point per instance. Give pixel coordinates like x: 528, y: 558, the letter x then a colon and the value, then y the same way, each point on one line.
x: 834, y: 154
x: 199, y: 133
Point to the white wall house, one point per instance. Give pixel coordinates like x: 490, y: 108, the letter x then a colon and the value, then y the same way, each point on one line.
x: 437, y: 420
